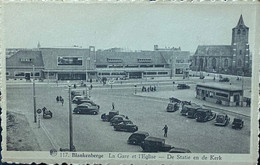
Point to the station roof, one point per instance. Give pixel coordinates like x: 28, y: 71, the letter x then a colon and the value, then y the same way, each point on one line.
x: 220, y: 86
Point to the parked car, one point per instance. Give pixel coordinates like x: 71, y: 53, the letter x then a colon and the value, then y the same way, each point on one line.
x: 78, y: 98
x: 192, y: 112
x: 183, y: 86
x: 75, y: 93
x: 86, y: 108
x: 222, y: 120
x: 237, y: 123
x: 47, y: 114
x: 173, y: 100
x: 109, y: 116
x: 78, y: 101
x: 204, y: 115
x: 179, y: 150
x: 137, y: 138
x: 117, y: 119
x: 186, y: 108
x: 154, y: 144
x: 224, y: 80
x: 172, y: 107
x: 126, y: 125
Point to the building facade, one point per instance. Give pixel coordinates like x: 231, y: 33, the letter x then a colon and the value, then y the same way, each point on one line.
x: 80, y: 63
x: 227, y: 59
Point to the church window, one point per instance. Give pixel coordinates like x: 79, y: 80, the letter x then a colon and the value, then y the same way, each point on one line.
x: 239, y: 63
x: 244, y: 31
x: 226, y: 63
x: 214, y: 63
x: 238, y: 32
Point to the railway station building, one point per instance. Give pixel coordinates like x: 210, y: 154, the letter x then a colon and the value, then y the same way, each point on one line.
x: 78, y: 63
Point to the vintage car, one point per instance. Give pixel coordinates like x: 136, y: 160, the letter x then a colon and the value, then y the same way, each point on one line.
x: 126, y: 125
x: 187, y: 107
x: 117, y: 119
x: 77, y: 99
x: 183, y: 86
x: 179, y: 150
x: 172, y: 107
x: 137, y: 138
x: 86, y: 108
x: 222, y: 120
x: 192, y: 112
x: 109, y: 116
x: 173, y: 100
x: 80, y: 101
x: 47, y: 114
x: 154, y: 144
x: 224, y: 80
x: 204, y: 115
x: 237, y: 123
x: 75, y: 93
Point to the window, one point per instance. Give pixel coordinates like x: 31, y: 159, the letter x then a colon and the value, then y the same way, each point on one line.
x: 144, y: 60
x: 226, y: 63
x: 244, y: 32
x: 115, y: 66
x: 110, y: 60
x: 239, y: 63
x: 221, y: 94
x: 159, y: 66
x: 151, y: 73
x: 238, y: 32
x: 214, y: 63
x: 7, y: 73
x: 19, y: 74
x: 101, y: 66
x: 105, y: 73
x: 131, y: 66
x: 179, y: 71
x: 146, y: 66
x: 26, y: 59
x: 162, y: 73
x: 69, y: 60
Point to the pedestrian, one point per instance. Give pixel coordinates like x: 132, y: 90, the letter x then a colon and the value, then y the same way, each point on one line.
x: 165, y: 128
x: 60, y: 98
x: 57, y: 98
x: 91, y: 86
x: 62, y: 101
x: 113, y: 106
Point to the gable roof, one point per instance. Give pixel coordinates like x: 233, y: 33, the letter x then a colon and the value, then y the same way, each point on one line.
x: 214, y: 50
x: 25, y: 58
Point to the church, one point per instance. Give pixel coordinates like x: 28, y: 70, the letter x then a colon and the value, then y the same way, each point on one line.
x: 226, y: 59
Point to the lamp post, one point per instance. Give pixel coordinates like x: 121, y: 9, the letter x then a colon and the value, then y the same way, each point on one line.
x: 87, y: 64
x: 34, y: 97
x: 70, y: 122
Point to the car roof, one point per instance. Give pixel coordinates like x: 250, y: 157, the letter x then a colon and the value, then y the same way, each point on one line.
x: 85, y: 104
x: 203, y: 110
x: 151, y: 138
x: 141, y: 133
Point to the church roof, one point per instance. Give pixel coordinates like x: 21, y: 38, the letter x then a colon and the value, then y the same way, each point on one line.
x: 214, y: 50
x: 241, y: 23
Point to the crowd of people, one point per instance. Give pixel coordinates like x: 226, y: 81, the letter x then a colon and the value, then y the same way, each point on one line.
x: 60, y: 99
x: 149, y: 89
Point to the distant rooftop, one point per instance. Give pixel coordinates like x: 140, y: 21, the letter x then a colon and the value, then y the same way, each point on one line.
x: 221, y: 86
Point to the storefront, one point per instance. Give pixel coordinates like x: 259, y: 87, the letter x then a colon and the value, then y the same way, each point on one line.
x: 218, y: 93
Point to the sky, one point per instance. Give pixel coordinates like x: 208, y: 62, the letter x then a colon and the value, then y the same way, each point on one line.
x: 128, y: 26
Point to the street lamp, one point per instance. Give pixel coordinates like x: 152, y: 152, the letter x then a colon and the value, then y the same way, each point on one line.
x: 34, y: 97
x: 72, y: 148
x: 87, y: 64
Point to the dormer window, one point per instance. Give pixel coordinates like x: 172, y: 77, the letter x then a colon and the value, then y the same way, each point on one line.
x: 144, y: 60
x: 26, y: 59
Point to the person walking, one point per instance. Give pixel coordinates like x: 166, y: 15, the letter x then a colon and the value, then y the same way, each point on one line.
x: 165, y: 128
x: 113, y: 106
x: 62, y: 101
x: 57, y: 98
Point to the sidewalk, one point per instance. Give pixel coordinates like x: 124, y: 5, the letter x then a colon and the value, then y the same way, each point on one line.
x: 189, y: 95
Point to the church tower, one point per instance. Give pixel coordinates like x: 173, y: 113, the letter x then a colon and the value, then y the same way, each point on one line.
x: 240, y: 48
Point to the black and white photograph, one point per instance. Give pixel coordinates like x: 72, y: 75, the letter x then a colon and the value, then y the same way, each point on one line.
x: 130, y: 81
